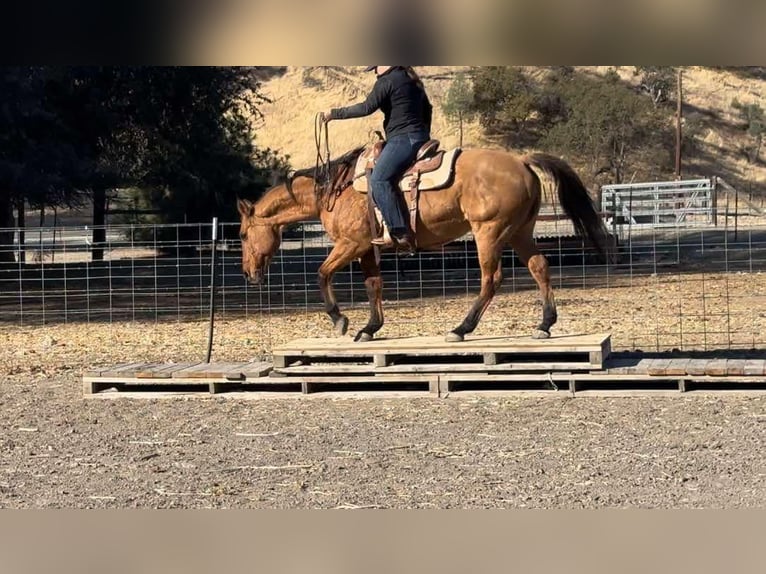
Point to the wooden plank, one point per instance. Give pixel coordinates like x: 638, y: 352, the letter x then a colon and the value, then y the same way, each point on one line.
x: 191, y: 368
x: 735, y: 367
x: 755, y: 367
x: 256, y: 369
x: 437, y: 345
x: 225, y: 371
x: 622, y: 365
x: 656, y: 367
x: 280, y: 361
x: 343, y: 369
x: 642, y: 367
x: 308, y: 384
x: 677, y: 367
x: 373, y: 379
x: 716, y: 367
x: 89, y: 387
x: 160, y: 370
x: 145, y: 371
x: 123, y: 370
x: 697, y: 367
x: 598, y: 357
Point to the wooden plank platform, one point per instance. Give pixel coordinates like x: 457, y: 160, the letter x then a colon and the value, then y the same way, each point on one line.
x: 568, y: 365
x: 204, y: 376
x: 441, y: 384
x: 587, y: 351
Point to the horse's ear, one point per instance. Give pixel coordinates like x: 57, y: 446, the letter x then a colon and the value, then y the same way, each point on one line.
x: 245, y: 207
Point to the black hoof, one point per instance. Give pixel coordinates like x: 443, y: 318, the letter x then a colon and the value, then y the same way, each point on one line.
x: 341, y: 326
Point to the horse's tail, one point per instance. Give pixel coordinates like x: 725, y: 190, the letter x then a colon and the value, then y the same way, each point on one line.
x: 573, y: 196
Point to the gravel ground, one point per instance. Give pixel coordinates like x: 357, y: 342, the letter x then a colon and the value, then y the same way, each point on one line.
x: 60, y: 450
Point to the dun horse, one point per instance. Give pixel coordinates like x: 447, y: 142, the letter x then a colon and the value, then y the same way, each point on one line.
x: 494, y: 194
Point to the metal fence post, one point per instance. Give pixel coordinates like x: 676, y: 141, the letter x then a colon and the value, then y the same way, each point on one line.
x: 212, y: 289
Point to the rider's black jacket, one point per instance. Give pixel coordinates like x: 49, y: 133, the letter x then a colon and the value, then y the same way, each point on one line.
x: 404, y: 104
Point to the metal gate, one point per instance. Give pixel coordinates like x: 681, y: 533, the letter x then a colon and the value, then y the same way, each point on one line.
x: 660, y: 204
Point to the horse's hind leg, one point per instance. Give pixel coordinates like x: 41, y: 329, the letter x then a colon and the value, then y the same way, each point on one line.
x: 373, y: 283
x: 341, y: 255
x: 490, y: 249
x: 525, y: 248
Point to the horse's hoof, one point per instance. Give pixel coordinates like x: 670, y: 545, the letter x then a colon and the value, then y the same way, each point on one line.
x: 341, y: 326
x: 540, y: 334
x: 453, y: 337
x: 362, y: 337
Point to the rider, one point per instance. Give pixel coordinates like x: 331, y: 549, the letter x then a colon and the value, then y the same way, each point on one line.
x: 400, y: 95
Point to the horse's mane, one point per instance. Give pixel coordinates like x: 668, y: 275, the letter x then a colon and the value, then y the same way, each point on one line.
x: 348, y: 159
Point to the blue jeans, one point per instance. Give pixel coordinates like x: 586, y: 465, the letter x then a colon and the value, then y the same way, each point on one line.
x: 398, y: 154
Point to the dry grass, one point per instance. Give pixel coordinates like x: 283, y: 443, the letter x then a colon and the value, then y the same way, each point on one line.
x: 302, y: 92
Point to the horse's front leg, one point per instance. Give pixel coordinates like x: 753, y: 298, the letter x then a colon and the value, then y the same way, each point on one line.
x: 341, y: 255
x: 373, y: 283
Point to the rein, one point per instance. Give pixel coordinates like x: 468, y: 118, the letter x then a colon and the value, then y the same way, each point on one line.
x: 323, y: 168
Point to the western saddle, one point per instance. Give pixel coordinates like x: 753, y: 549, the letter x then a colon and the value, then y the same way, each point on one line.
x: 432, y: 169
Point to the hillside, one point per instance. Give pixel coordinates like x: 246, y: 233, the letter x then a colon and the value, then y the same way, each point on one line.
x: 298, y: 93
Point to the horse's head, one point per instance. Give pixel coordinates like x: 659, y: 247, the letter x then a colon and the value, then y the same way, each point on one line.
x: 260, y: 241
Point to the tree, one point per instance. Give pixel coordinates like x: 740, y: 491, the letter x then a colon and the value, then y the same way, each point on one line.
x: 754, y: 123
x: 504, y: 99
x: 608, y: 126
x: 658, y: 82
x: 182, y: 137
x: 199, y: 132
x: 37, y: 162
x: 458, y: 103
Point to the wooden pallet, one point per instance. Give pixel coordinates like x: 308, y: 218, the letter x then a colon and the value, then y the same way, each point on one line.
x: 438, y: 385
x: 430, y: 366
x: 686, y: 367
x: 598, y: 383
x: 206, y: 376
x: 576, y: 351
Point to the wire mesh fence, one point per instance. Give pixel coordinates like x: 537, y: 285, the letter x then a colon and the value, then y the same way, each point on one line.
x: 690, y: 288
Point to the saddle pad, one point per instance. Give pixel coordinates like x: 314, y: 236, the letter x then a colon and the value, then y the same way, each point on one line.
x: 431, y: 180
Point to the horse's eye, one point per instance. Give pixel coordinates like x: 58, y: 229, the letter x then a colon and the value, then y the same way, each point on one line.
x: 243, y: 235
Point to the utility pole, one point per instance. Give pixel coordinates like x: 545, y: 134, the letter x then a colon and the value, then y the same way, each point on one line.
x: 679, y: 99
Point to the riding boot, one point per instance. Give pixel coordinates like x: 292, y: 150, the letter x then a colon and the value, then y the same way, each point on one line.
x: 402, y: 240
x: 405, y: 243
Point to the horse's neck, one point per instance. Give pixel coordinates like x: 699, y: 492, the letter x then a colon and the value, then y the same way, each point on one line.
x: 280, y: 207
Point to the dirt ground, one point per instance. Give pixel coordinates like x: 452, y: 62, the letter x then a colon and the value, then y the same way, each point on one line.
x: 60, y: 450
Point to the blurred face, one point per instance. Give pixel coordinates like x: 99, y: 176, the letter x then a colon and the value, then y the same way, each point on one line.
x: 260, y: 242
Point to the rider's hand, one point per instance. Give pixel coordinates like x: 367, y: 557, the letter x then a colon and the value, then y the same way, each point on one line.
x: 326, y: 116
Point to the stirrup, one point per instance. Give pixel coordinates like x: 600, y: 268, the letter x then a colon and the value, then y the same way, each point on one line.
x: 384, y: 241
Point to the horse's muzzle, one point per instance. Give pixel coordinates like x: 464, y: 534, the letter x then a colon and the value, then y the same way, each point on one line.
x: 254, y: 278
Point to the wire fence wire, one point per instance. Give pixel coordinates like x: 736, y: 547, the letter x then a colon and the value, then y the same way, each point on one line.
x: 688, y: 288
